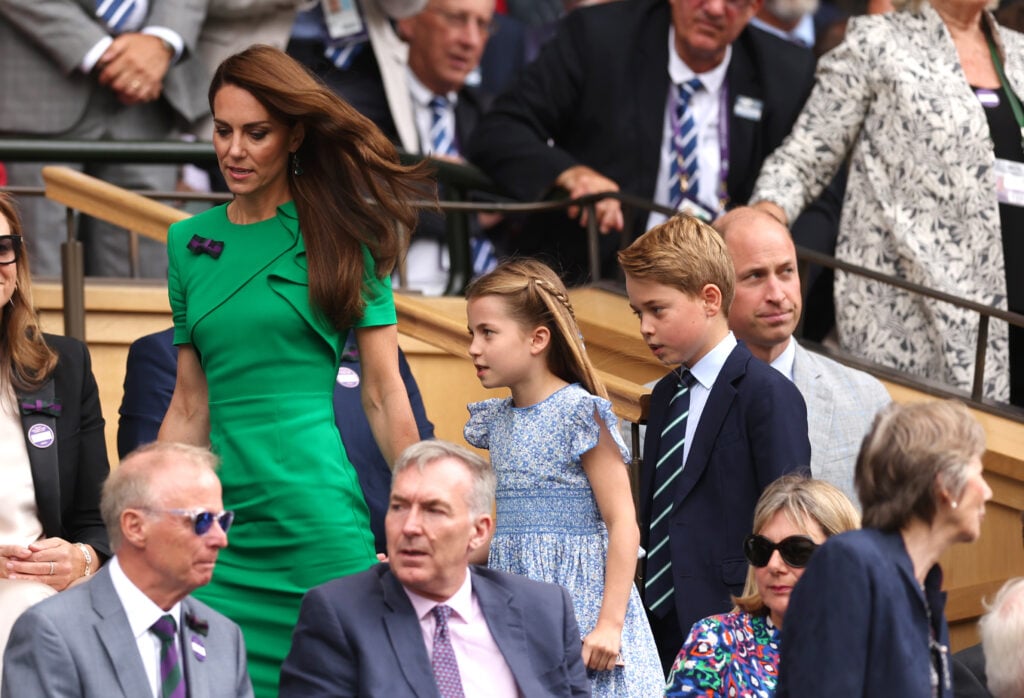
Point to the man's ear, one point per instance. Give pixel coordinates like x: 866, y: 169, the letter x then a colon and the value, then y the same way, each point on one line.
x: 711, y: 295
x: 483, y: 530
x: 540, y: 339
x: 133, y: 528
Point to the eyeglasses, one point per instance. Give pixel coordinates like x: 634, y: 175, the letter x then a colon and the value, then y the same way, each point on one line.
x: 796, y: 551
x: 461, y: 20
x: 202, y: 519
x: 10, y: 248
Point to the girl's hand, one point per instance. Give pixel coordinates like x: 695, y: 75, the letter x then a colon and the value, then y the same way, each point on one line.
x: 51, y: 561
x: 601, y: 647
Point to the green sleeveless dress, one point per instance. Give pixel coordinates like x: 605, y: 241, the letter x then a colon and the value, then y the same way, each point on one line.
x: 271, y: 362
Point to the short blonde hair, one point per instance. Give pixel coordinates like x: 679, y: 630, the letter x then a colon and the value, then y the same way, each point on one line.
x: 910, y: 451
x: 803, y: 499
x: 684, y: 253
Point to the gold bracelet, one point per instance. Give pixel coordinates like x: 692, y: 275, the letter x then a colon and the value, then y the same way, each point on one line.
x: 88, y: 559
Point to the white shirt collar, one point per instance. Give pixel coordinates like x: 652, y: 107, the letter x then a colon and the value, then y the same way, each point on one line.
x: 679, y: 72
x: 710, y: 365
x: 461, y: 602
x: 139, y: 608
x: 422, y: 95
x: 784, y: 362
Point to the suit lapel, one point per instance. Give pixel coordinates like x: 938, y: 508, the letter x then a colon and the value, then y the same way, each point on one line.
x: 818, y: 396
x: 43, y: 458
x: 403, y: 628
x: 650, y: 68
x: 195, y: 665
x: 116, y: 637
x: 505, y: 621
x: 744, y: 134
x: 723, y: 393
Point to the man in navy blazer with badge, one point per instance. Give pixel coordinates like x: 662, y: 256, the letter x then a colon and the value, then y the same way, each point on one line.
x: 427, y: 623
x: 598, y: 111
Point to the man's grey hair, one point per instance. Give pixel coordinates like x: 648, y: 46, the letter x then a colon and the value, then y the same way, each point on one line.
x: 481, y: 495
x: 129, y: 485
x: 1002, y: 638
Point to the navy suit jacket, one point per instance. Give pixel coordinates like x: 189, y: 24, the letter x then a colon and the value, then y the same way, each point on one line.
x: 858, y: 622
x: 359, y: 636
x: 149, y: 383
x: 752, y: 431
x: 596, y: 96
x: 68, y: 452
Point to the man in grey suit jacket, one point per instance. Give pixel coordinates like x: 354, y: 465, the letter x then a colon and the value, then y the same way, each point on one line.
x: 391, y: 630
x: 841, y: 401
x: 163, y: 510
x: 68, y: 74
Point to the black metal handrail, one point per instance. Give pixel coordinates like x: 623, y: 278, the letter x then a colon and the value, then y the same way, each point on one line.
x: 458, y: 180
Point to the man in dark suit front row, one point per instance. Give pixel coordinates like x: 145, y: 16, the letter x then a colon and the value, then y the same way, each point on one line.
x: 132, y: 629
x: 428, y: 623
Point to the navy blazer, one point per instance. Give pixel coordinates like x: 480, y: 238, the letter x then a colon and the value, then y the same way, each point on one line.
x: 68, y: 452
x: 752, y: 431
x: 858, y: 623
x: 359, y: 636
x: 596, y: 96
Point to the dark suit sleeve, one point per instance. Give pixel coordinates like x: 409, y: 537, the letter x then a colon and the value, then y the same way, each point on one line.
x: 777, y: 429
x: 969, y: 673
x: 38, y: 662
x: 85, y: 525
x: 148, y: 387
x: 322, y: 661
x: 825, y: 636
x: 511, y: 141
x: 578, y: 681
x: 419, y: 411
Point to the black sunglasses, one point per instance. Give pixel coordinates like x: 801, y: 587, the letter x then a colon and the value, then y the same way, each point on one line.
x: 10, y: 247
x: 202, y: 520
x: 796, y: 551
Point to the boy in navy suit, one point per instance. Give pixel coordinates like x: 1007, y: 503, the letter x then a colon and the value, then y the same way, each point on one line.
x: 722, y: 426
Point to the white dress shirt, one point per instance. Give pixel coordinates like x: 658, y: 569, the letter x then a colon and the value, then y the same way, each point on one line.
x: 706, y: 107
x: 142, y: 613
x: 424, y: 113
x: 783, y: 363
x: 706, y: 372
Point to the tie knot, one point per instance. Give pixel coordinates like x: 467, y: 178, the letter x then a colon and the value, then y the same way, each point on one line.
x: 439, y: 103
x: 442, y: 613
x: 164, y: 628
x: 686, y: 379
x: 686, y: 89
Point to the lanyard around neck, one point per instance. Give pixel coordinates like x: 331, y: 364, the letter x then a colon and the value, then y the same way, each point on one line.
x: 1011, y: 96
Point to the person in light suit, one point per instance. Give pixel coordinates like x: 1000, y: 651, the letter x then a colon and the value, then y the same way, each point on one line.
x: 841, y: 401
x: 68, y: 74
x: 509, y: 635
x: 163, y: 510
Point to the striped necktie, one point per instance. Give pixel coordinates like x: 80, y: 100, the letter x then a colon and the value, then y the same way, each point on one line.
x: 658, y: 585
x: 172, y: 684
x: 115, y: 13
x: 682, y: 174
x: 442, y: 659
x: 442, y: 140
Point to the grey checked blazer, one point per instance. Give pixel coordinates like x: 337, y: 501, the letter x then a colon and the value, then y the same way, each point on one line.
x: 78, y: 644
x: 841, y: 404
x: 43, y: 43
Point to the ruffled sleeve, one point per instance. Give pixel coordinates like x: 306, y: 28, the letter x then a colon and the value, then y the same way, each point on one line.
x: 481, y: 415
x: 583, y: 430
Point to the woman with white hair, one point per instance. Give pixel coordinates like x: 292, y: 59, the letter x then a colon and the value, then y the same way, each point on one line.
x: 924, y: 104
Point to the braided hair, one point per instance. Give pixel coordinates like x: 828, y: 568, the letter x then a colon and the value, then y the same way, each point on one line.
x: 536, y: 297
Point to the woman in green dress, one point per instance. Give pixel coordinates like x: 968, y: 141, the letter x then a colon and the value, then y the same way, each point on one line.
x: 264, y: 291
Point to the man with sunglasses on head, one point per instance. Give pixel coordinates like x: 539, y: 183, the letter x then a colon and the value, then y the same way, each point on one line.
x: 133, y: 630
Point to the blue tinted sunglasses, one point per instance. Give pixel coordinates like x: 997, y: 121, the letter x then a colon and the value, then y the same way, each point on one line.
x: 202, y: 520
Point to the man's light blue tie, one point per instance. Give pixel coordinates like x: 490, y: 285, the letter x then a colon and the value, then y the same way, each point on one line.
x: 658, y: 585
x: 442, y: 140
x: 442, y: 659
x: 115, y: 13
x: 683, y: 170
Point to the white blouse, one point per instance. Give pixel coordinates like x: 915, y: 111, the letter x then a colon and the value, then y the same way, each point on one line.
x: 19, y: 515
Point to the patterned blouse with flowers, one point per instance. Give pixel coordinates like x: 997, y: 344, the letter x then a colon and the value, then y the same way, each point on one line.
x: 733, y: 654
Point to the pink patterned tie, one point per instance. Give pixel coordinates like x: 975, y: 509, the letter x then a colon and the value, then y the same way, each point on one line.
x: 446, y: 669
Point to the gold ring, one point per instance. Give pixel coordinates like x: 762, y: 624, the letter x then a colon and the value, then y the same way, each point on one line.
x: 136, y: 84
x: 51, y: 568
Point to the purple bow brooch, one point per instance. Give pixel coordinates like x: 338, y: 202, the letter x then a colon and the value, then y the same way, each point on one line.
x: 47, y: 407
x: 201, y: 245
x: 198, y: 625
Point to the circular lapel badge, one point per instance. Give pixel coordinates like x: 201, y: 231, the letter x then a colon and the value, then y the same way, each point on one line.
x: 40, y: 436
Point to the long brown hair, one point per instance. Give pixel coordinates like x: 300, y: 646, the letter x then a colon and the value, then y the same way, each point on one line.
x: 25, y: 360
x: 353, y: 190
x: 536, y: 297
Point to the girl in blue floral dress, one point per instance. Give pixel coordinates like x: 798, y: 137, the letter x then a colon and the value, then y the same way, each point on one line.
x: 565, y: 513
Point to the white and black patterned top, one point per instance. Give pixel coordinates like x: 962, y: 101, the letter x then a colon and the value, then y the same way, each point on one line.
x: 921, y: 199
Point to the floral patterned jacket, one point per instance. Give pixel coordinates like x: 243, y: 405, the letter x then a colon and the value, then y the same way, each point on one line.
x: 921, y: 199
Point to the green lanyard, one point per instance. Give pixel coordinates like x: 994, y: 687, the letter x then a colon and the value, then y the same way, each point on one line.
x: 1018, y: 113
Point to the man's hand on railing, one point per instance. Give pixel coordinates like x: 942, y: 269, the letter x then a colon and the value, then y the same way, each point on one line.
x: 134, y: 66
x: 580, y: 180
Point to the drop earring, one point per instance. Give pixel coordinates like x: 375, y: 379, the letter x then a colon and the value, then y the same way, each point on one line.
x: 296, y: 167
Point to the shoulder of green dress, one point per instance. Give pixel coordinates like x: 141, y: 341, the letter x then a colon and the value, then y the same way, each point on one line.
x: 202, y: 220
